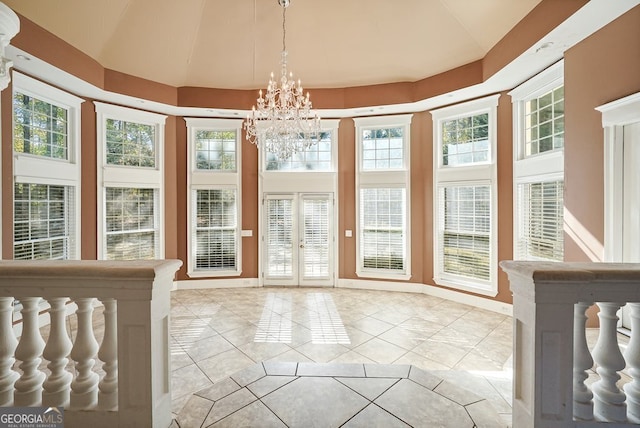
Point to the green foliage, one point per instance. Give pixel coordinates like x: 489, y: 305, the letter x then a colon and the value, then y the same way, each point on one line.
x: 130, y: 144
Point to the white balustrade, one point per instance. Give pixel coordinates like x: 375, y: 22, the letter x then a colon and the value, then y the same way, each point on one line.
x: 56, y: 351
x: 8, y: 345
x: 29, y: 386
x: 632, y: 356
x: 133, y: 389
x: 551, y: 356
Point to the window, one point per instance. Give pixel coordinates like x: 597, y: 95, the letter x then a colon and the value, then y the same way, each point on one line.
x: 383, y: 186
x: 539, y: 166
x: 214, y: 197
x: 318, y: 157
x: 465, y: 208
x: 46, y: 188
x: 130, y: 159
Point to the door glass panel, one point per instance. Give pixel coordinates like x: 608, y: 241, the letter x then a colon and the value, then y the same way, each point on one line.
x: 279, y: 238
x: 315, y: 245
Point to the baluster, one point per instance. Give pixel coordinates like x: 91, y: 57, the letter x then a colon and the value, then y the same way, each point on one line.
x: 632, y: 355
x: 108, y: 388
x: 56, y: 387
x: 609, y: 400
x: 28, y: 388
x: 84, y: 391
x: 8, y: 343
x: 582, y: 361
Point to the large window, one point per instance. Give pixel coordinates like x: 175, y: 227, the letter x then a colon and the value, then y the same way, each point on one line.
x: 214, y: 197
x: 465, y: 191
x: 539, y: 166
x: 46, y: 188
x: 383, y: 197
x: 130, y: 159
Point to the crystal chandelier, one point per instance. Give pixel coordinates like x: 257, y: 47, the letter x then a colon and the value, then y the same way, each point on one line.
x: 283, y: 123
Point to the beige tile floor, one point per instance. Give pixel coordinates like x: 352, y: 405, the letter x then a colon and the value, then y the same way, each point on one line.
x: 218, y: 333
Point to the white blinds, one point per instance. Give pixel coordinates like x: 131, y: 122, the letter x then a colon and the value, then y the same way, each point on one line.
x: 465, y: 228
x: 541, y: 220
x: 279, y: 238
x: 44, y: 222
x: 215, y: 229
x: 316, y: 238
x: 383, y: 228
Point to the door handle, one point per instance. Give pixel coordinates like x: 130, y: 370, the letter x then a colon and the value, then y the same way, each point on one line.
x: 301, y: 245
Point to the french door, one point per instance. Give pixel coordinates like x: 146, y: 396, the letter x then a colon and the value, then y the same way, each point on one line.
x: 298, y: 239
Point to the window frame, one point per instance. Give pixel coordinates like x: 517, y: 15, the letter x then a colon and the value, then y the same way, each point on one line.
x: 541, y: 167
x: 122, y: 176
x: 34, y: 169
x: 383, y: 178
x: 212, y: 179
x: 478, y: 174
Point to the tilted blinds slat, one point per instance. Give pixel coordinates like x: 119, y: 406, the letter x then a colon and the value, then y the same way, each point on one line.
x: 316, y: 238
x: 465, y: 230
x: 44, y: 222
x: 541, y: 208
x: 279, y: 236
x: 383, y: 229
x: 215, y: 229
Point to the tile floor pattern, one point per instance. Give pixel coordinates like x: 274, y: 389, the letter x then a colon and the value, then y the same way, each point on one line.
x: 275, y: 394
x: 216, y: 333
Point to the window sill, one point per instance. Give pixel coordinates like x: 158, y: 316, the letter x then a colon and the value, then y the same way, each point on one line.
x: 213, y: 273
x: 383, y: 275
x: 486, y: 289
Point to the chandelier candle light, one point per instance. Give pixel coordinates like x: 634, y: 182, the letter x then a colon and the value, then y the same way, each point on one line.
x: 283, y: 123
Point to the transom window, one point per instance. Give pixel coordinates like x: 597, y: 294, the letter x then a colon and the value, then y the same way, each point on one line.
x: 383, y: 148
x: 315, y: 158
x: 465, y: 140
x: 215, y: 150
x: 130, y: 144
x: 544, y: 122
x: 40, y: 127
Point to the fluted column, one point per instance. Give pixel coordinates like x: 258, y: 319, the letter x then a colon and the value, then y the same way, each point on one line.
x: 8, y: 343
x: 28, y: 388
x: 582, y: 361
x: 609, y: 400
x: 108, y: 353
x: 84, y: 388
x: 56, y: 387
x: 632, y: 355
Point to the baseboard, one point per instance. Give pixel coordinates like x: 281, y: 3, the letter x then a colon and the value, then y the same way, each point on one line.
x: 198, y: 284
x: 443, y: 293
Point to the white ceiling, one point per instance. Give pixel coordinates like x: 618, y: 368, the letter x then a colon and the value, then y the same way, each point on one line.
x: 235, y: 44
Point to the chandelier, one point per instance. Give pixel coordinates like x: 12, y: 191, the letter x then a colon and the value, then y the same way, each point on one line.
x: 283, y: 123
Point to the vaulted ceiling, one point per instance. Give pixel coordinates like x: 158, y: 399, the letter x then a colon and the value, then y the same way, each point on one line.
x: 236, y: 44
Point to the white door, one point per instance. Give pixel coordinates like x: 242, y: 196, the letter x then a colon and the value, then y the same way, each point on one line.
x: 298, y: 239
x: 631, y: 201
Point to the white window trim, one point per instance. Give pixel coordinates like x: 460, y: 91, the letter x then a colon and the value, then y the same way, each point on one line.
x: 129, y: 177
x: 32, y: 169
x: 384, y: 178
x: 472, y: 175
x: 213, y: 180
x: 542, y: 167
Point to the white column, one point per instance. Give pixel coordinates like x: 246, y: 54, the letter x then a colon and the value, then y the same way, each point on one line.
x: 8, y: 345
x: 609, y: 400
x: 108, y: 353
x: 56, y: 387
x: 84, y: 388
x: 582, y: 361
x: 632, y: 355
x: 28, y: 390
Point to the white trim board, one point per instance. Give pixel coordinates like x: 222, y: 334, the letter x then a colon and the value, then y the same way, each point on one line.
x: 203, y: 284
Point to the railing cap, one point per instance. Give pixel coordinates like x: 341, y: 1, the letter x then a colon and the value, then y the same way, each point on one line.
x: 573, y: 271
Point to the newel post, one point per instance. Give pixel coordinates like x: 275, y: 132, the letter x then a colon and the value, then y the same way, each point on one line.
x: 144, y: 372
x: 543, y: 314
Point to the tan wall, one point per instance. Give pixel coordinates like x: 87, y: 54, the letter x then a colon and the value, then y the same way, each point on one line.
x: 89, y: 184
x: 602, y: 68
